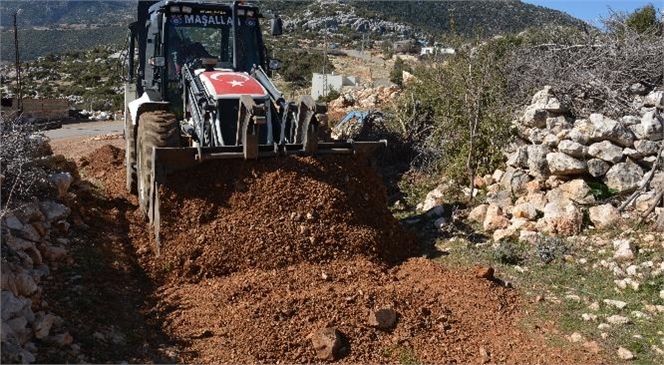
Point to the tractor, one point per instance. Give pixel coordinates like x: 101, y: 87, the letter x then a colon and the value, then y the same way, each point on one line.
x: 198, y: 88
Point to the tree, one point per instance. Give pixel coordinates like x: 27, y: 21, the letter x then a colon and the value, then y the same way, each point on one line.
x: 396, y: 76
x: 644, y: 19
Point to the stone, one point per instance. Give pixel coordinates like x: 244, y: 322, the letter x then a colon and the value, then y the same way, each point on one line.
x: 497, y: 175
x: 558, y: 124
x: 13, y: 306
x: 564, y: 220
x: 589, y: 317
x: 484, y: 272
x: 13, y: 223
x: 576, y: 337
x: 625, y: 354
x: 547, y: 100
x: 536, y: 136
x: 647, y: 161
x: 53, y: 253
x: 646, y: 147
x: 643, y: 202
x: 61, y: 340
x: 615, y: 303
x: 503, y: 233
x: 576, y: 191
x: 537, y: 160
x: 651, y: 123
x: 624, y: 246
x: 478, y: 213
x: 606, y: 151
x: 603, y: 326
x: 384, y: 318
x: 604, y: 215
x: 597, y: 167
x: 538, y: 200
x: 54, y: 211
x: 501, y: 198
x: 528, y: 236
x: 494, y: 219
x: 654, y: 98
x: 61, y: 181
x: 326, y: 343
x: 525, y: 210
x: 623, y: 177
x: 578, y: 135
x: 638, y: 89
x: 551, y: 140
x: 618, y: 320
x: 572, y: 148
x: 515, y: 181
x: 563, y: 165
x: 29, y: 213
x: 628, y: 120
x: 43, y: 324
x: 604, y: 128
x: 632, y: 153
x: 534, y: 116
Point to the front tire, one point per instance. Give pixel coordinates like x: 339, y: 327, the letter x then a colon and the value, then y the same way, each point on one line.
x: 155, y: 129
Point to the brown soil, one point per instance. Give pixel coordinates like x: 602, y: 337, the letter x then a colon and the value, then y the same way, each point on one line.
x: 259, y: 255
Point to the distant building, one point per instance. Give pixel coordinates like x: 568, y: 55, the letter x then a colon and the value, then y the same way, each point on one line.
x: 403, y: 46
x: 334, y: 82
x: 436, y: 51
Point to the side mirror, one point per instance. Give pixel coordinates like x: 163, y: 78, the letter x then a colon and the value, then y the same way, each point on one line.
x: 276, y: 27
x: 274, y: 65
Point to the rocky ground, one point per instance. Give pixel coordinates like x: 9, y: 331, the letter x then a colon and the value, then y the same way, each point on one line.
x: 298, y: 296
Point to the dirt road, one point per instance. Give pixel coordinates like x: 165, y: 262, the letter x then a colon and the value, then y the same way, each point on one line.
x: 252, y: 275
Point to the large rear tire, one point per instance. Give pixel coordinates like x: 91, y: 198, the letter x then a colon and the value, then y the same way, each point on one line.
x: 130, y: 158
x: 155, y: 129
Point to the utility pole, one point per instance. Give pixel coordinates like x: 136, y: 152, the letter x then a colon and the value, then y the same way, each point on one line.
x: 325, y: 62
x: 19, y: 92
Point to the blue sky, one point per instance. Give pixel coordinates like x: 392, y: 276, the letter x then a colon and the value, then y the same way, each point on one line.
x: 592, y: 10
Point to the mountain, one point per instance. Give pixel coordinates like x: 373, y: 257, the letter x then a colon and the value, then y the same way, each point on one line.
x: 73, y: 25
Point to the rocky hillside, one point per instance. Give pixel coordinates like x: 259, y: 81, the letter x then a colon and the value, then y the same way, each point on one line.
x: 75, y: 24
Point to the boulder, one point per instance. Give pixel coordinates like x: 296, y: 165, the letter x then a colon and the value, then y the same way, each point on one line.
x: 624, y: 176
x: 384, y: 318
x: 623, y: 250
x: 14, y: 306
x: 478, y: 213
x: 514, y: 181
x: 632, y: 153
x: 61, y: 181
x: 551, y: 140
x: 30, y: 213
x: 651, y: 123
x: 604, y: 215
x: 562, y: 164
x: 54, y: 211
x: 576, y: 191
x: 646, y: 147
x: 537, y: 160
x: 537, y: 199
x: 547, y: 100
x: 12, y: 222
x: 326, y: 343
x: 494, y: 218
x: 503, y: 233
x: 654, y: 98
x: 525, y: 210
x: 579, y: 133
x: 43, y: 324
x: 572, y: 148
x: 536, y: 135
x: 558, y: 124
x: 518, y: 158
x: 534, y: 116
x: 628, y: 120
x: 604, y: 128
x: 597, y: 167
x: 606, y: 151
x: 563, y: 220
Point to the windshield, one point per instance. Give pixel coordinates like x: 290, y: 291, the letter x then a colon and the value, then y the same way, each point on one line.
x: 205, y: 35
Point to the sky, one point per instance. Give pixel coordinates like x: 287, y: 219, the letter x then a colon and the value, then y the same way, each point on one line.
x: 592, y: 10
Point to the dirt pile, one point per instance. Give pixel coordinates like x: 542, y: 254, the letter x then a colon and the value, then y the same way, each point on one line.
x: 227, y: 216
x: 307, y: 245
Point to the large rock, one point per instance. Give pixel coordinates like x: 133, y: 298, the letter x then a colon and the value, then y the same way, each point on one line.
x: 646, y: 147
x: 604, y: 128
x: 326, y: 343
x: 534, y: 116
x: 384, y: 318
x: 606, y: 151
x: 13, y: 306
x: 495, y: 219
x: 54, y: 211
x: 61, y: 181
x: 547, y: 100
x: 537, y: 160
x: 604, y: 215
x: 478, y: 213
x: 558, y: 124
x: 562, y: 164
x: 518, y: 158
x: 536, y: 199
x: 654, y: 98
x: 651, y: 123
x: 623, y: 250
x: 43, y: 324
x: 597, y: 167
x: 563, y: 220
x: 624, y: 176
x: 576, y: 191
x: 514, y: 181
x: 525, y: 210
x: 572, y: 148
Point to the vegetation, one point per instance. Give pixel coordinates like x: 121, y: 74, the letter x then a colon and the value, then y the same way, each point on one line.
x: 299, y: 66
x: 396, y: 75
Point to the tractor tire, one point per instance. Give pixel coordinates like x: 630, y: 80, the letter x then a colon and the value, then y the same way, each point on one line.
x: 155, y: 129
x: 130, y: 158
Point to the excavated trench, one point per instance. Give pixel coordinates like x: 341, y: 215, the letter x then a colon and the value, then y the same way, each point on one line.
x: 257, y: 256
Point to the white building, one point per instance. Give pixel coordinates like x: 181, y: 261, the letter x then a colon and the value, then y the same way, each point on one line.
x: 333, y: 82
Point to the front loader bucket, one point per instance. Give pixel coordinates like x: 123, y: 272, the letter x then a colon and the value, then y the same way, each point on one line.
x: 170, y: 159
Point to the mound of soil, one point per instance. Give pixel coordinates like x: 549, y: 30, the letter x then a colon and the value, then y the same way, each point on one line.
x: 226, y: 216
x: 443, y: 317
